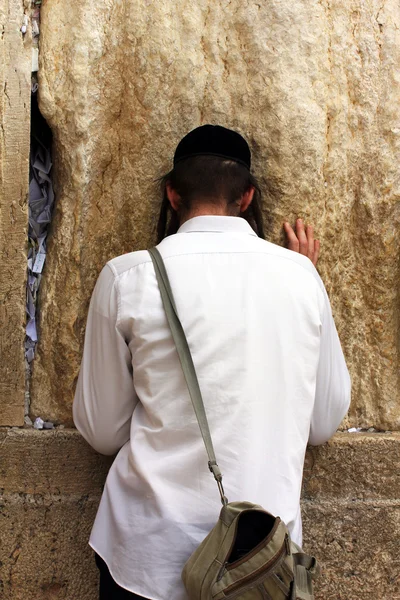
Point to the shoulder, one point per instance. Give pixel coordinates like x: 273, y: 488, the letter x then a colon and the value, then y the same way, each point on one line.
x: 126, y: 262
x: 292, y: 263
x: 287, y: 257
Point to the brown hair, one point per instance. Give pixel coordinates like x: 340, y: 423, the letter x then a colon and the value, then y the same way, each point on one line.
x: 208, y: 177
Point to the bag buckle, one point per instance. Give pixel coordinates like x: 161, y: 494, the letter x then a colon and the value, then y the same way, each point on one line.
x: 216, y: 471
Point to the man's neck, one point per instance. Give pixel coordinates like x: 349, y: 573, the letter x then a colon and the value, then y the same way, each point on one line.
x: 207, y: 209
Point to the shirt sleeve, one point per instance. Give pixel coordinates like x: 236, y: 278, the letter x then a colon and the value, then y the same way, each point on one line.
x: 333, y: 388
x: 105, y: 397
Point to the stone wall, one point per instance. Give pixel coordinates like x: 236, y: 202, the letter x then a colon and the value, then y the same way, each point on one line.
x: 314, y: 87
x: 52, y: 483
x: 15, y: 68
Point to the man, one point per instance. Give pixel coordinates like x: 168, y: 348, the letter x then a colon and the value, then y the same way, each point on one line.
x: 267, y: 355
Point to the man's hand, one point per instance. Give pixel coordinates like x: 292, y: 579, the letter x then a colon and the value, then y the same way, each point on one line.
x: 302, y: 240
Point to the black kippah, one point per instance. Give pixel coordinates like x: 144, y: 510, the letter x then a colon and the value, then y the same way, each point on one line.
x: 214, y: 140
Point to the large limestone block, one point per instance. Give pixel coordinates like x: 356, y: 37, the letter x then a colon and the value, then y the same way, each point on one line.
x: 15, y: 69
x: 314, y: 87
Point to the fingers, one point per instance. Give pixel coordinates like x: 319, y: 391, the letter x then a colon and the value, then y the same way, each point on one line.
x: 317, y: 247
x: 301, y: 234
x: 301, y: 239
x: 310, y: 240
x: 293, y: 242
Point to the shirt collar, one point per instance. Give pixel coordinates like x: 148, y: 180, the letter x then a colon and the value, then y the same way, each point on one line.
x: 216, y: 224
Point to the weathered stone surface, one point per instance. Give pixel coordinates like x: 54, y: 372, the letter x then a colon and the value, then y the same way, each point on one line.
x: 15, y: 68
x: 314, y: 87
x: 51, y: 483
x: 44, y: 549
x: 351, y: 516
x: 357, y: 546
x: 354, y: 467
x: 54, y: 461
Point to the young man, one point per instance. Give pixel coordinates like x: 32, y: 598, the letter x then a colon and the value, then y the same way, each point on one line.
x: 269, y: 363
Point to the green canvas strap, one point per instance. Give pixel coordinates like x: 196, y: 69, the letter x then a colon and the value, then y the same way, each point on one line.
x: 306, y: 569
x: 186, y: 361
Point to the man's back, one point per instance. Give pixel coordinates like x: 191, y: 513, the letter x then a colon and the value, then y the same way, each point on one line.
x: 270, y: 367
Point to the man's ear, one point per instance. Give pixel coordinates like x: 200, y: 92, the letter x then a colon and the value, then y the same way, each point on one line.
x: 173, y: 197
x: 246, y: 199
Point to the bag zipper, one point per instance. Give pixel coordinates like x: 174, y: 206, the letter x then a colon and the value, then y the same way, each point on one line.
x: 257, y: 576
x: 253, y: 552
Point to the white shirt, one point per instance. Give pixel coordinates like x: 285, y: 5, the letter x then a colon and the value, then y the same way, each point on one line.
x: 272, y: 374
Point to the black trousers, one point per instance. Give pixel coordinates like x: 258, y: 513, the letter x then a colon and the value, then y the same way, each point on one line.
x: 109, y: 590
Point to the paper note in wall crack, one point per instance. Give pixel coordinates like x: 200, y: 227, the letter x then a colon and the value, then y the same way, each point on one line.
x: 31, y: 330
x: 39, y: 262
x: 30, y: 304
x: 30, y: 355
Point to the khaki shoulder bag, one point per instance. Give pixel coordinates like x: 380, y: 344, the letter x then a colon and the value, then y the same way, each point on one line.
x: 248, y: 555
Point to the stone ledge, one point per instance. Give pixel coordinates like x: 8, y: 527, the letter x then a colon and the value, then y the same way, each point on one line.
x: 350, y: 466
x: 354, y: 466
x: 55, y: 461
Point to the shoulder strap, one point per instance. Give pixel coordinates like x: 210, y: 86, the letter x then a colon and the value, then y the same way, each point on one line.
x: 186, y: 360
